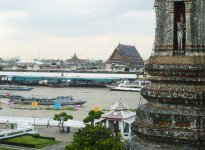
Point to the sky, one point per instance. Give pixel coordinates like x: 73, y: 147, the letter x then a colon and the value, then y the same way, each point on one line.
x: 52, y: 29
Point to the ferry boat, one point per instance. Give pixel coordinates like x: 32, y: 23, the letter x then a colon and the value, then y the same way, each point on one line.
x: 15, y: 87
x: 135, y: 86
x: 64, y: 100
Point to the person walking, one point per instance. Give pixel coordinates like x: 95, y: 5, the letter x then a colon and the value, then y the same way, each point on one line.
x: 48, y: 124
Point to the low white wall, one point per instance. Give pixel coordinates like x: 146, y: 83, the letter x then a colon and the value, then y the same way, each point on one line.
x: 17, y: 132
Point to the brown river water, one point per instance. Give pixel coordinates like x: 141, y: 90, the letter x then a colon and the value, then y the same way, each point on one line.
x: 101, y: 97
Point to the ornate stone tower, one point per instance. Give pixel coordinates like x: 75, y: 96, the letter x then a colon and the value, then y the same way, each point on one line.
x: 174, y: 116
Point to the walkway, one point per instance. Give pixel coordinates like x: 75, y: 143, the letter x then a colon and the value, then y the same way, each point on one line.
x: 16, y: 147
x: 41, y: 121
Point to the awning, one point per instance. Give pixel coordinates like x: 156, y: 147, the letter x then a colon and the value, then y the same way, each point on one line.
x: 129, y: 120
x: 99, y: 120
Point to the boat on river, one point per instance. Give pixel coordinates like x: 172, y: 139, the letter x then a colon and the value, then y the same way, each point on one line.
x: 15, y: 87
x: 135, y: 86
x: 64, y: 100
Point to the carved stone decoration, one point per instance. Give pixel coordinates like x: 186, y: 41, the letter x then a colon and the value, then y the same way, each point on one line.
x: 174, y: 115
x: 173, y: 121
x: 189, y: 12
x: 180, y: 33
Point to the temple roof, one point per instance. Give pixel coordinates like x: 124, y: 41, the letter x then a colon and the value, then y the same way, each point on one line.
x: 126, y: 54
x: 118, y: 106
x: 118, y: 115
x: 75, y: 59
x: 114, y: 115
x: 119, y: 111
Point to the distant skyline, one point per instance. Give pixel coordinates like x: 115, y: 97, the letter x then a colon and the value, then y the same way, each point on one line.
x: 51, y: 29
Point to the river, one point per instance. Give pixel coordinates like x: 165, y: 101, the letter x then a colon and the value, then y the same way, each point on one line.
x: 101, y: 97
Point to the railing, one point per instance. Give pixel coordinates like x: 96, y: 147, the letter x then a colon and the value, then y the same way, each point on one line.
x: 17, y: 132
x: 40, y: 121
x: 27, y: 125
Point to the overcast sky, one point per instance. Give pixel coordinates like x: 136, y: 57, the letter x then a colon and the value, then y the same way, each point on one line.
x: 59, y: 28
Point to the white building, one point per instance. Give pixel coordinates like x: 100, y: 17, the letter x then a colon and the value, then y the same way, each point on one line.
x: 119, y: 118
x: 27, y: 65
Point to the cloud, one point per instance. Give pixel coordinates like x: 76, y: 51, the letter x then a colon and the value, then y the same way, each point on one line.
x: 12, y: 15
x: 137, y: 15
x: 101, y: 46
x: 90, y: 27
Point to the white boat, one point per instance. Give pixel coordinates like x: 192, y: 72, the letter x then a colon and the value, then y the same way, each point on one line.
x: 135, y: 86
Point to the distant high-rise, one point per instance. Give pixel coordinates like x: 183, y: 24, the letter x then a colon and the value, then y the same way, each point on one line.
x: 174, y: 117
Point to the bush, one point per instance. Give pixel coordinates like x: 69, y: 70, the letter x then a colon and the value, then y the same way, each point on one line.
x: 92, y: 115
x: 95, y: 137
x: 31, y: 141
x: 18, y: 144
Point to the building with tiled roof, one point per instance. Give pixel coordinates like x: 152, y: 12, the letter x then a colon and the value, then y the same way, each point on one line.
x: 75, y: 60
x: 118, y: 106
x: 119, y: 117
x: 75, y: 63
x: 126, y: 56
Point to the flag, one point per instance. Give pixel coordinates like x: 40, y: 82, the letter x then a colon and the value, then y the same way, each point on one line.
x: 57, y: 105
x: 34, y: 104
x: 10, y: 104
x: 7, y: 95
x: 76, y: 107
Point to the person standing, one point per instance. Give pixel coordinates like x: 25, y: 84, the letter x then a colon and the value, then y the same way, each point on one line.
x: 48, y: 124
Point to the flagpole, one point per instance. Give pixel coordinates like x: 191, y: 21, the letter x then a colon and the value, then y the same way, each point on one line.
x: 34, y: 123
x: 10, y: 105
x: 34, y: 104
x: 34, y: 120
x: 12, y: 111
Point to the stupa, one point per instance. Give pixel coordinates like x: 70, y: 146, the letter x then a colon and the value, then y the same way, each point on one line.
x: 174, y: 116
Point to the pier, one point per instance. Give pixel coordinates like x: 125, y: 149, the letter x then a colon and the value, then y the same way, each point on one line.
x: 62, y: 79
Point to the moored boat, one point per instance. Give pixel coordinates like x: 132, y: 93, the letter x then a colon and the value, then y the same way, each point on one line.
x: 135, y: 86
x: 15, y: 87
x: 6, y: 95
x: 64, y: 100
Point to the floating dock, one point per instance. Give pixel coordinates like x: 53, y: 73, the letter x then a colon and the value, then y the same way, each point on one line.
x: 94, y: 78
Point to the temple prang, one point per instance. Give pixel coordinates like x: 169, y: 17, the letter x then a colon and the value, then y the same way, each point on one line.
x: 174, y: 115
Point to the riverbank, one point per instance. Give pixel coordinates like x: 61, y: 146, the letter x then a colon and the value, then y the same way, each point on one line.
x: 101, y: 97
x: 63, y: 79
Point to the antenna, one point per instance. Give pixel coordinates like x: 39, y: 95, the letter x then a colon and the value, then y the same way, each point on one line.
x: 39, y: 49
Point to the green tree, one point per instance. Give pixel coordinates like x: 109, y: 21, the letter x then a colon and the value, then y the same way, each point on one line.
x: 61, y: 118
x: 95, y: 138
x: 92, y: 115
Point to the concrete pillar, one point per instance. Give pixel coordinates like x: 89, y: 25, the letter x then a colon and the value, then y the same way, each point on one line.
x: 107, y: 123
x: 121, y: 127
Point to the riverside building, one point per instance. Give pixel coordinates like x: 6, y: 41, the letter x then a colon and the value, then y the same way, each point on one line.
x: 125, y: 58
